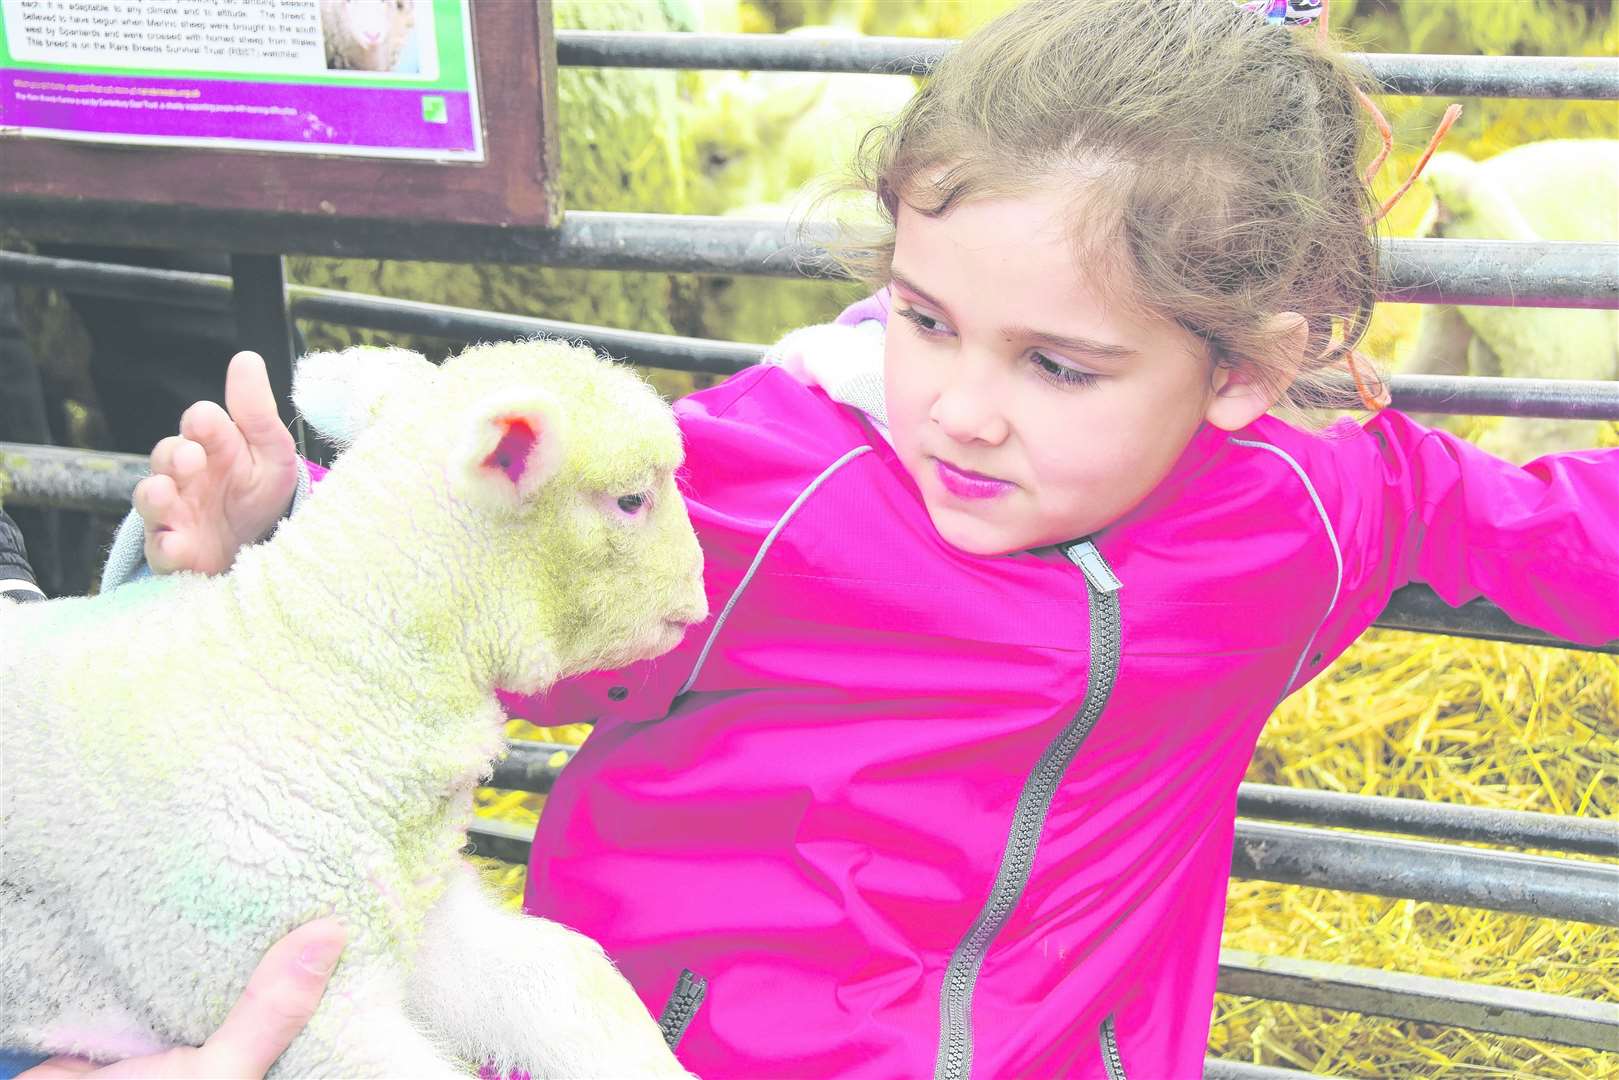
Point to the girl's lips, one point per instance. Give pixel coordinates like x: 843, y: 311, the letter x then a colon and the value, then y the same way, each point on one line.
x: 969, y: 485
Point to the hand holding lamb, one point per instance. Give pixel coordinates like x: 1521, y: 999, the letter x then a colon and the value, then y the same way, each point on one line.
x: 308, y: 730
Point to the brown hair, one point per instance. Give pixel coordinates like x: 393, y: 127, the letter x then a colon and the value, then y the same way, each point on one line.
x: 1224, y: 152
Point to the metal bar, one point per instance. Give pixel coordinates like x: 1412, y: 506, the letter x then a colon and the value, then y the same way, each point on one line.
x: 1571, y: 399
x: 687, y: 243
x: 1568, y: 399
x: 751, y: 52
x: 468, y: 325
x: 1439, y: 873
x: 1350, y: 862
x: 1419, y: 609
x: 1225, y: 1069
x: 101, y: 482
x: 532, y: 766
x: 1494, y: 1009
x: 68, y: 479
x: 527, y: 766
x: 1466, y: 395
x: 1423, y: 75
x: 1500, y: 273
x: 210, y: 292
x: 1591, y: 78
x: 501, y: 840
x: 1434, y: 821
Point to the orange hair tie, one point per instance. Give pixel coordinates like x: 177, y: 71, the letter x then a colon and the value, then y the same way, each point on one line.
x: 1373, y: 391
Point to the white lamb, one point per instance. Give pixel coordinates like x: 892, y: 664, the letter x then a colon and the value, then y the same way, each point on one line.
x: 1564, y: 189
x: 193, y: 766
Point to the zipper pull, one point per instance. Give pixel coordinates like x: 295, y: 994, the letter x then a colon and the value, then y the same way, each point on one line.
x: 1083, y: 554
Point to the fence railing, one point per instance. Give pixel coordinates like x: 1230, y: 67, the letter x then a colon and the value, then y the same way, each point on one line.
x: 1316, y: 838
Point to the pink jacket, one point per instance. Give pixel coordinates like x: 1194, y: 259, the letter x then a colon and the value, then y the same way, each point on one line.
x: 896, y: 809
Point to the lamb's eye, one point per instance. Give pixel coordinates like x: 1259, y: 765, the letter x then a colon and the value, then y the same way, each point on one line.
x: 631, y: 504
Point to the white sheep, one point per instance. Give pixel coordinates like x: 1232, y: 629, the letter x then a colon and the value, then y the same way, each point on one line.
x: 366, y: 35
x: 773, y: 145
x: 193, y: 766
x: 1564, y: 189
x: 755, y: 139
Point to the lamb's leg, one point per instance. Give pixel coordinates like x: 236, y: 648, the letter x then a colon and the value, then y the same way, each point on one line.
x: 362, y: 1030
x: 1554, y: 345
x: 526, y: 993
x: 1441, y: 348
x: 1441, y: 343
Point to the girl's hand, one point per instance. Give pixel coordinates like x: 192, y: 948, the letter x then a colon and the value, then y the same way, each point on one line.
x: 224, y: 481
x: 279, y: 999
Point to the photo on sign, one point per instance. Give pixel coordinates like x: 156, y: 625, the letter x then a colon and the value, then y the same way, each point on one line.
x: 378, y: 35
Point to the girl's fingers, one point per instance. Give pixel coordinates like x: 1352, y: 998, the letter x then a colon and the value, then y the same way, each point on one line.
x: 208, y: 425
x: 280, y: 997
x: 252, y: 404
x: 169, y: 551
x: 162, y: 458
x: 154, y: 499
x: 186, y: 461
x: 178, y: 457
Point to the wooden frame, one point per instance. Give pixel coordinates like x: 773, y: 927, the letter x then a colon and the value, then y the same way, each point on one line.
x: 251, y: 200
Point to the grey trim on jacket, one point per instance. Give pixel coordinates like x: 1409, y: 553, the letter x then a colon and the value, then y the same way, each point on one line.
x: 126, y: 560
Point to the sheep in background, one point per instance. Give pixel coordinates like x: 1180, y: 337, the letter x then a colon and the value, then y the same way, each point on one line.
x: 194, y: 765
x: 620, y: 135
x: 1566, y: 189
x: 771, y: 145
x: 366, y: 35
x: 756, y: 137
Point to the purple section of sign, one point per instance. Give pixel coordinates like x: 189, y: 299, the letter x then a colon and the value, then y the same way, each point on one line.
x: 351, y: 116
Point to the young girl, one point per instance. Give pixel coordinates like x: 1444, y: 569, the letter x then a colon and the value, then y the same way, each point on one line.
x: 1008, y: 568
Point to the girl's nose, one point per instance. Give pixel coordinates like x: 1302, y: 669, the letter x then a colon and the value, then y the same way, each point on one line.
x: 967, y: 410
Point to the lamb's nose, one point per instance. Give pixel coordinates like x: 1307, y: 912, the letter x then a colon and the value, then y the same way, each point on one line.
x: 687, y: 617
x: 689, y: 614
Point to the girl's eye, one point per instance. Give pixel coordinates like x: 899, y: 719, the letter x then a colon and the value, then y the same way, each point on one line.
x: 1062, y: 374
x: 927, y: 324
x: 631, y: 504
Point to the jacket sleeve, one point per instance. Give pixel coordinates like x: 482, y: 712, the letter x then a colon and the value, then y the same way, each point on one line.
x: 126, y: 559
x: 1413, y: 504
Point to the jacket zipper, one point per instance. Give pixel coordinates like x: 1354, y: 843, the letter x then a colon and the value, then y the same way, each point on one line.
x: 682, y: 1006
x: 954, y: 1061
x: 1110, y: 1051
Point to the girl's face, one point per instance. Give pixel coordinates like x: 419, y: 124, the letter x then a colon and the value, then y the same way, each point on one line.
x: 1027, y: 408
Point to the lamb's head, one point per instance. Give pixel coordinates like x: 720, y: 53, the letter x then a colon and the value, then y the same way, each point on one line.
x: 1468, y: 204
x: 533, y: 483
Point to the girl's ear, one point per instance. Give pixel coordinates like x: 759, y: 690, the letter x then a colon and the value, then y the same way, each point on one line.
x: 511, y: 444
x: 1240, y: 397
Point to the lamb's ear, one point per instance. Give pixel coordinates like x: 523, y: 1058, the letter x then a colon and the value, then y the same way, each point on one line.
x: 511, y: 444
x: 338, y: 394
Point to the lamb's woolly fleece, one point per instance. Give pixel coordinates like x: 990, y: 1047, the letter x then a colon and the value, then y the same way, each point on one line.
x: 1563, y: 189
x: 193, y: 766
